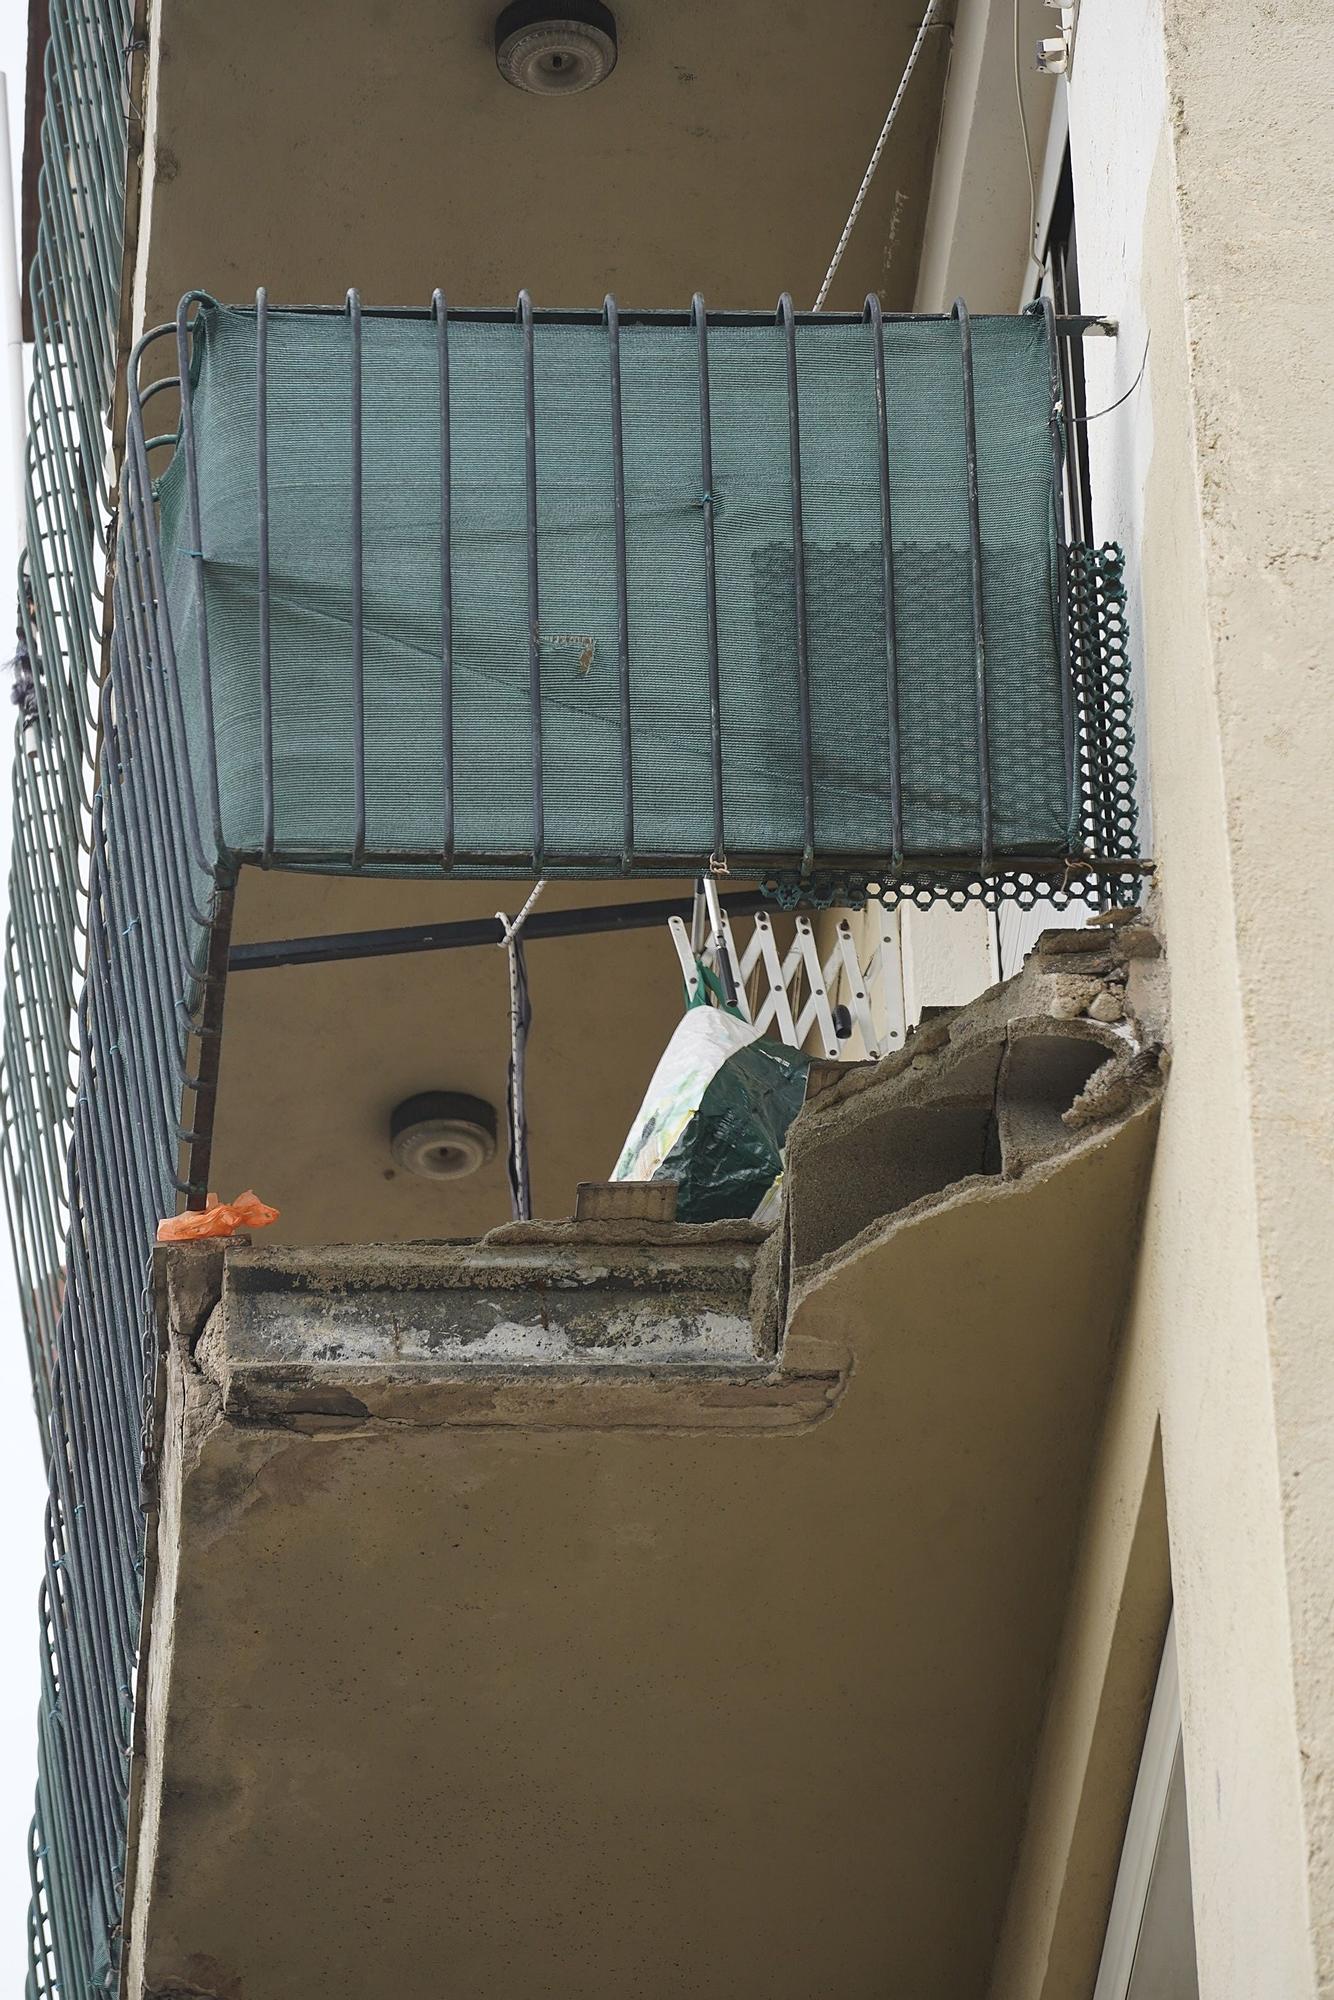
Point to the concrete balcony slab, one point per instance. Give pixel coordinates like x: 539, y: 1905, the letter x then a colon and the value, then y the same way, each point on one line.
x: 604, y: 1610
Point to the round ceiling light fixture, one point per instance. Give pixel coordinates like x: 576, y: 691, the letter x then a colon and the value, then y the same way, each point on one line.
x: 555, y: 55
x: 441, y: 1135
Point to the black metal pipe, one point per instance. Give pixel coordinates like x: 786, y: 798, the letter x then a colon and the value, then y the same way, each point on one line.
x: 874, y: 313
x: 961, y: 314
x: 204, y: 1108
x: 1073, y: 324
x: 787, y: 320
x: 700, y: 319
x: 441, y: 311
x: 589, y: 921
x: 358, y: 610
x: 262, y: 523
x: 534, y: 594
x: 622, y: 585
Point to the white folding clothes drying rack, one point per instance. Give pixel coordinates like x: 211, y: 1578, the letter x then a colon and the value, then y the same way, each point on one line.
x: 854, y: 1005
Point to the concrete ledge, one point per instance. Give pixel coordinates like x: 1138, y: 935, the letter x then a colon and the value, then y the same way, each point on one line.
x: 531, y: 1327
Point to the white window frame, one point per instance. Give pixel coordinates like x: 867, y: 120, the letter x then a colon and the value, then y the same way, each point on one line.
x: 1162, y: 1746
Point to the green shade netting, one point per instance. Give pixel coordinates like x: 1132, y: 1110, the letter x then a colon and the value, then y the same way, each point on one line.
x: 311, y: 564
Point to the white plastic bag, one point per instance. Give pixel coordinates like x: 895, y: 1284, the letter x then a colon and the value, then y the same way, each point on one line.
x: 703, y: 1040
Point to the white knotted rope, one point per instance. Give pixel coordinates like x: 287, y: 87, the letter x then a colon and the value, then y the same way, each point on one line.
x: 885, y: 130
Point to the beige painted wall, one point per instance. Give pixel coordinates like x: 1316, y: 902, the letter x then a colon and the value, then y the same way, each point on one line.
x: 1202, y: 181
x: 1236, y: 1275
x: 309, y: 149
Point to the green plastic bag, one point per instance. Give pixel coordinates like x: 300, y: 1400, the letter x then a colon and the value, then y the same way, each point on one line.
x: 715, y: 1115
x: 729, y: 1157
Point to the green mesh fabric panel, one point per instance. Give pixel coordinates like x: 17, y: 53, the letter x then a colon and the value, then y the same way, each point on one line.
x: 310, y: 484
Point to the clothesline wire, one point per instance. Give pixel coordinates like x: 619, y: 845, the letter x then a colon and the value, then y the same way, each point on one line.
x: 933, y: 7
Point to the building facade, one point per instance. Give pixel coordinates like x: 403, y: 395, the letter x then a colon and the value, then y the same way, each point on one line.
x: 928, y: 1591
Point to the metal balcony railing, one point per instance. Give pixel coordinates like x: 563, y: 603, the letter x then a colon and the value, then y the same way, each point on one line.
x: 76, y: 1221
x: 784, y: 597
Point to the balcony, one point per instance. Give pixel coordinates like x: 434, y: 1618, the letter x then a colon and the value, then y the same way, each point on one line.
x: 472, y: 594
x: 404, y: 604
x: 599, y: 597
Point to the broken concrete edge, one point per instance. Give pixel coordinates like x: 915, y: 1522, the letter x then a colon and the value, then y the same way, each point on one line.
x: 762, y: 1399
x: 606, y: 1230
x: 186, y: 1283
x: 540, y: 1301
x: 991, y: 1090
x: 508, y: 1261
x: 1129, y: 1068
x: 644, y: 1390
x: 1118, y: 957
x: 812, y: 1278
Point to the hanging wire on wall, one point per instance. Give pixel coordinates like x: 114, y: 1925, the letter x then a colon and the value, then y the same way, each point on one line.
x: 885, y: 130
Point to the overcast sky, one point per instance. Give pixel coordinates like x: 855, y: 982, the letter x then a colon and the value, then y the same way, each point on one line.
x: 22, y: 1483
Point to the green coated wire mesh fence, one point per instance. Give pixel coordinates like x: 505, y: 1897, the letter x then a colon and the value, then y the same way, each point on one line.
x: 65, y: 1209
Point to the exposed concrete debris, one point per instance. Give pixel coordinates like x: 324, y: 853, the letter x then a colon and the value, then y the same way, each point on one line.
x: 1112, y: 1090
x: 189, y: 1287
x: 533, y: 1326
x: 1069, y: 997
x: 1001, y: 1086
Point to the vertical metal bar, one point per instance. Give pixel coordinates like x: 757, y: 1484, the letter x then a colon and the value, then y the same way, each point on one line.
x: 700, y: 319
x: 358, y: 611
x: 520, y: 1022
x: 210, y: 1053
x: 441, y: 311
x: 534, y: 610
x: 722, y: 962
x: 1057, y: 432
x: 196, y: 555
x: 789, y: 326
x: 876, y: 318
x: 262, y: 505
x: 612, y: 317
x: 960, y: 313
x: 154, y: 594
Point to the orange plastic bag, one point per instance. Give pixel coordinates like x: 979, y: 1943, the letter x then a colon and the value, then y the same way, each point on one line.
x: 220, y: 1218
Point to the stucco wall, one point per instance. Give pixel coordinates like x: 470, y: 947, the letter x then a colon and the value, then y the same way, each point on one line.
x: 1197, y: 168
x: 1199, y: 144
x: 1199, y: 181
